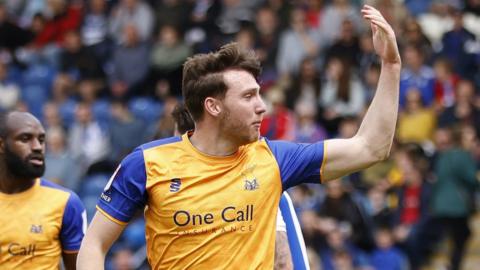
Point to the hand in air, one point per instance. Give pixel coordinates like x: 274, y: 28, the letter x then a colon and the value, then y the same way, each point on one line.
x: 384, y: 40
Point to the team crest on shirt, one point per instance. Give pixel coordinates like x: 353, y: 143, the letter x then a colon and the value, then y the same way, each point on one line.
x: 251, y: 182
x: 36, y: 229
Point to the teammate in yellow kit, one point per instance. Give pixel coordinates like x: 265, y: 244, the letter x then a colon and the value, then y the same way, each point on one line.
x: 41, y: 222
x: 211, y: 196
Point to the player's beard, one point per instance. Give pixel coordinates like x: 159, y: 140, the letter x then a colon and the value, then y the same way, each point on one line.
x: 236, y: 130
x: 22, y: 168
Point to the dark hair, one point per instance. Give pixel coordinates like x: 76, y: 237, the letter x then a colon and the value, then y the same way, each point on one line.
x: 183, y: 119
x: 202, y: 75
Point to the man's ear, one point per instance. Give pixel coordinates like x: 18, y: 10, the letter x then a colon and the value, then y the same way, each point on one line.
x: 212, y: 106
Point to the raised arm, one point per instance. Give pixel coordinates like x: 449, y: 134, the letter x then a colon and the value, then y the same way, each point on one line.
x: 374, y: 138
x: 100, y: 236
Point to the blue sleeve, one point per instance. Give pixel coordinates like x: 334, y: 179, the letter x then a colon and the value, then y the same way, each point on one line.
x: 294, y: 233
x: 74, y: 224
x: 298, y: 163
x: 125, y: 192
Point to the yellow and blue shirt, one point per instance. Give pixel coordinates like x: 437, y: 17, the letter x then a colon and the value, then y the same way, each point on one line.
x: 38, y: 225
x: 204, y: 211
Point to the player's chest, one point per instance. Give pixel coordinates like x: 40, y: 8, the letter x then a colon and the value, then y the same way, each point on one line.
x: 213, y: 182
x: 211, y: 194
x: 28, y: 228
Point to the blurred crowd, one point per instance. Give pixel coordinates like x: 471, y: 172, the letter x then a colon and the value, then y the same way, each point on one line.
x: 104, y: 77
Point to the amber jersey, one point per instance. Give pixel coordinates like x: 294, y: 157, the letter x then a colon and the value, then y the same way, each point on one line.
x: 37, y: 225
x: 206, y: 212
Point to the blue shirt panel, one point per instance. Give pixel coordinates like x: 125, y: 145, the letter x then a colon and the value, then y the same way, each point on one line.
x: 299, y: 163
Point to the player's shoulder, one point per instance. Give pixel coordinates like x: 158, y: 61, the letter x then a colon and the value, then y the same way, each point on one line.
x: 47, y: 184
x: 135, y: 161
x: 160, y: 143
x: 53, y: 190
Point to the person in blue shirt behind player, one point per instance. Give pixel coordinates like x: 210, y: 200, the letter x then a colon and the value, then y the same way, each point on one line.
x: 41, y: 221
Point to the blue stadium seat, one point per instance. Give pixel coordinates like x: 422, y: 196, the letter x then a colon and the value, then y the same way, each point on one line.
x: 90, y: 190
x: 35, y: 96
x: 146, y: 109
x: 36, y: 83
x: 40, y: 75
x: 134, y: 234
x: 101, y: 112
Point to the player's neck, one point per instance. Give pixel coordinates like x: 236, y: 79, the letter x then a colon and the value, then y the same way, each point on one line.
x: 211, y: 142
x: 10, y: 184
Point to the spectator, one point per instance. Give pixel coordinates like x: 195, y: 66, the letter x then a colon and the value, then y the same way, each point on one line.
x: 62, y: 97
x: 233, y: 14
x: 130, y: 64
x: 333, y: 16
x: 165, y: 126
x: 455, y: 44
x: 445, y: 83
x: 413, y: 203
x: 416, y: 123
x: 175, y: 13
x: 77, y: 60
x: 414, y: 36
x: 9, y: 90
x: 11, y: 35
x: 336, y: 242
x: 124, y: 131
x: 61, y: 167
x: 346, y: 46
x: 88, y: 143
x: 370, y: 80
x: 167, y: 57
x: 416, y: 74
x: 64, y: 17
x: 314, y: 12
x: 279, y: 121
x: 463, y: 110
x: 296, y: 43
x: 342, y: 93
x: 94, y: 30
x: 305, y: 86
x: 340, y: 205
x: 451, y: 198
x: 267, y: 42
x: 436, y: 22
x: 307, y: 130
x: 51, y: 117
x: 386, y: 256
x: 123, y: 258
x: 367, y: 56
x: 128, y: 13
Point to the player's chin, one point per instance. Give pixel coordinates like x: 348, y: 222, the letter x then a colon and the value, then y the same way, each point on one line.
x: 255, y: 136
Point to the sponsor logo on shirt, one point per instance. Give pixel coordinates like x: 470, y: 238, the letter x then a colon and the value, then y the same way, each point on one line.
x: 16, y: 249
x: 228, y: 214
x: 105, y: 197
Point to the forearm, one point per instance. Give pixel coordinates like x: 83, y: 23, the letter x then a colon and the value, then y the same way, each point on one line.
x: 100, y: 236
x: 283, y: 257
x: 378, y: 126
x: 91, y: 256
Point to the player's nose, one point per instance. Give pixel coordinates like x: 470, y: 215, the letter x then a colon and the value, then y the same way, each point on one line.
x: 261, y: 107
